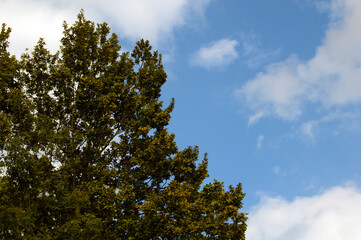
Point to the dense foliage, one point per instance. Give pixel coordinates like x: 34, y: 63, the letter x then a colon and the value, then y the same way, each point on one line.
x: 85, y: 152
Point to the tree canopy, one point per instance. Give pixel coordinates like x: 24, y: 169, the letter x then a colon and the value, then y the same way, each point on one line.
x: 85, y: 152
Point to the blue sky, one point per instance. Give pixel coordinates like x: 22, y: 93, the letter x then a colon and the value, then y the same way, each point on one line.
x: 270, y: 89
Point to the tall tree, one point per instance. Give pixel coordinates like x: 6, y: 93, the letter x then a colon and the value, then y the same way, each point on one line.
x: 85, y: 151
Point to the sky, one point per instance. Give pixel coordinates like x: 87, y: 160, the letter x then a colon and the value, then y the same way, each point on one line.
x: 271, y: 90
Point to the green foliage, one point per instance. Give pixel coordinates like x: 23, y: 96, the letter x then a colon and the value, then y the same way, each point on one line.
x: 85, y: 152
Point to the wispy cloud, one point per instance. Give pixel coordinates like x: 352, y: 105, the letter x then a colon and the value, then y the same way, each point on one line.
x: 333, y: 215
x: 216, y: 55
x: 255, y: 117
x: 330, y: 78
x: 253, y: 52
x: 346, y: 120
x: 260, y: 141
x: 276, y: 169
x: 153, y: 20
x: 308, y: 129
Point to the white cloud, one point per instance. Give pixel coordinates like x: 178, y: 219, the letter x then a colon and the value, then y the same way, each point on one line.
x: 331, y: 78
x: 260, y: 141
x: 151, y: 19
x: 31, y: 20
x: 218, y: 54
x: 132, y: 19
x: 332, y: 215
x: 277, y: 92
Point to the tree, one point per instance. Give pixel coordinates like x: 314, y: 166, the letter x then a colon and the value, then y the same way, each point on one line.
x: 85, y: 151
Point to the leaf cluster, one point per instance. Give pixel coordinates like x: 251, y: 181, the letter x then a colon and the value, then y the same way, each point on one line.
x: 85, y: 150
